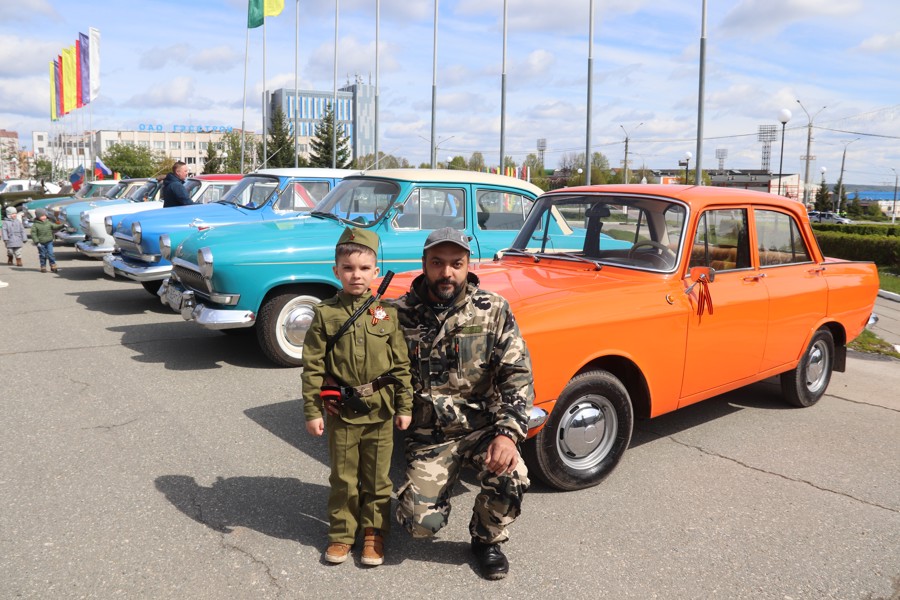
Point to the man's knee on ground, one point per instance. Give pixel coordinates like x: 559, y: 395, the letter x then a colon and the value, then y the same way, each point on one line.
x: 422, y: 523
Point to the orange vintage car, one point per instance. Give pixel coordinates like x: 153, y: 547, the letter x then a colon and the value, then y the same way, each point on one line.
x: 636, y: 300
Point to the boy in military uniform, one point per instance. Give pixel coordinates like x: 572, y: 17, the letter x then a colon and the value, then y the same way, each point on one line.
x: 368, y: 362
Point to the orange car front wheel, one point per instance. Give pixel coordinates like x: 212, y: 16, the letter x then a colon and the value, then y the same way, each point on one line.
x: 586, y: 434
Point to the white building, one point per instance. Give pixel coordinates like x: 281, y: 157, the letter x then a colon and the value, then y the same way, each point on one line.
x: 9, y: 155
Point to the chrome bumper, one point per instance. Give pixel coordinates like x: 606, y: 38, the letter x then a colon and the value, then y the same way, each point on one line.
x: 88, y: 249
x: 185, y: 302
x: 537, y: 417
x: 69, y: 238
x: 115, y: 266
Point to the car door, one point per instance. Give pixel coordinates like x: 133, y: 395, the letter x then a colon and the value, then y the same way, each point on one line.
x: 797, y: 290
x: 725, y: 343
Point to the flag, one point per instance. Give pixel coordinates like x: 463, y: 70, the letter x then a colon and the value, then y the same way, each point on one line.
x: 258, y: 10
x: 60, y: 107
x: 84, y: 68
x: 101, y: 170
x: 78, y: 96
x: 76, y: 178
x: 94, y: 62
x: 53, y: 114
x: 68, y: 70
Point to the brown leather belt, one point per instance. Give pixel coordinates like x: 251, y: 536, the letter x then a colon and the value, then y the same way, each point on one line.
x: 367, y: 389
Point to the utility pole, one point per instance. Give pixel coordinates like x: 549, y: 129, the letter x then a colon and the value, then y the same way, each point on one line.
x: 626, y: 179
x: 808, y: 157
x: 840, y: 191
x: 894, y: 206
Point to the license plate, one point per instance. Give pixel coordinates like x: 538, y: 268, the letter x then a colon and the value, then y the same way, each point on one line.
x: 109, y: 270
x: 173, y: 298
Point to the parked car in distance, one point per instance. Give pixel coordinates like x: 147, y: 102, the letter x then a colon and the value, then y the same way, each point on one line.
x: 270, y: 275
x: 716, y: 289
x: 70, y: 214
x: 116, y: 189
x: 15, y: 192
x: 96, y: 242
x: 828, y: 217
x: 266, y: 195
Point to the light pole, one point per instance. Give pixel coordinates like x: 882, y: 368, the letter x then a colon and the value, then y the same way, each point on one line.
x: 894, y: 206
x: 808, y: 157
x: 784, y: 116
x: 626, y: 180
x: 840, y: 190
x: 825, y: 199
x: 686, y: 163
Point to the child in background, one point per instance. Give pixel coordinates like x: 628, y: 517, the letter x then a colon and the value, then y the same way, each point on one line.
x: 42, y: 236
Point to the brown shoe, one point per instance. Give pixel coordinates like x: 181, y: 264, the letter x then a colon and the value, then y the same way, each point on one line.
x: 43, y: 269
x: 54, y: 269
x: 18, y: 262
x: 337, y: 552
x: 9, y: 260
x: 373, y: 548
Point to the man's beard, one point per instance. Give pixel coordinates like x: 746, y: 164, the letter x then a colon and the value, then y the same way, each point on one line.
x: 444, y: 295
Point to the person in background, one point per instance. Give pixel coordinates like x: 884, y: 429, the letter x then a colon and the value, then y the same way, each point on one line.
x: 42, y: 236
x: 13, y: 236
x: 173, y: 192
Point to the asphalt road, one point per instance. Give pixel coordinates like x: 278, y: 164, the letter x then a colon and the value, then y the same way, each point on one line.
x: 143, y: 457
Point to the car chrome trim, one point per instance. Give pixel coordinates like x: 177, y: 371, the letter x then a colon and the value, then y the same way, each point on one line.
x: 537, y: 417
x: 137, y: 273
x: 89, y: 249
x: 211, y: 318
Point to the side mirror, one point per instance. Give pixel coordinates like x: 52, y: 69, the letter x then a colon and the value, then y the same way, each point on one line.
x: 698, y: 273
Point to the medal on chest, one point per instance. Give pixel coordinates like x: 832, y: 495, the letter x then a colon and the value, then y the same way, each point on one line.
x: 378, y: 314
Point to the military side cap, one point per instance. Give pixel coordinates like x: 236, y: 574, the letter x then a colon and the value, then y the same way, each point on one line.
x: 364, y: 237
x: 447, y: 234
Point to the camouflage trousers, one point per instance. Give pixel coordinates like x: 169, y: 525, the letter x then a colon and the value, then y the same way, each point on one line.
x: 423, y: 505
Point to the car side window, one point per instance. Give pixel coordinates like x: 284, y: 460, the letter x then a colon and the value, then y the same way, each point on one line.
x: 301, y: 196
x: 779, y: 239
x: 721, y: 240
x: 433, y: 208
x: 501, y: 211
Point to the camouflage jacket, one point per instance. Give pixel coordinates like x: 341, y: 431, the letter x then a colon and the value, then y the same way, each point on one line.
x: 370, y: 348
x: 470, y: 365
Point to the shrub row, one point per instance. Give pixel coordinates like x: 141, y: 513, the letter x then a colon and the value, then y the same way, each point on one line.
x: 883, y: 250
x: 861, y: 228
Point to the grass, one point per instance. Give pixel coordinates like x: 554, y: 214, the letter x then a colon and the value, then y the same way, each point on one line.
x: 889, y: 282
x: 872, y: 344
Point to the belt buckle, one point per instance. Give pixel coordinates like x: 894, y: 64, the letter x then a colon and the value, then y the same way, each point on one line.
x: 366, y: 389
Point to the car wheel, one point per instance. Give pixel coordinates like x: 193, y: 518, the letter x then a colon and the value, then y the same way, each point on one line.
x: 152, y: 286
x: 586, y: 434
x: 282, y: 324
x: 807, y: 383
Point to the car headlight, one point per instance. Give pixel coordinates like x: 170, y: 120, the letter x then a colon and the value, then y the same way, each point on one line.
x: 205, y: 262
x: 165, y: 246
x: 107, y: 225
x: 136, y: 232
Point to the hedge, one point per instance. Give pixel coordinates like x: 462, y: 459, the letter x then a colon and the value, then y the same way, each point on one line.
x: 860, y: 228
x: 883, y: 249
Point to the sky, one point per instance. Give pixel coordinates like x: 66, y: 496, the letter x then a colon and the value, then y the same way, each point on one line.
x: 173, y: 62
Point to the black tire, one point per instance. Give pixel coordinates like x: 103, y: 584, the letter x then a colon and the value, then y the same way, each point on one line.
x: 281, y: 325
x: 152, y: 286
x: 586, y: 434
x: 807, y: 383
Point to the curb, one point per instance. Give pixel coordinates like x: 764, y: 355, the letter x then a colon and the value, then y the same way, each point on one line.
x: 889, y: 295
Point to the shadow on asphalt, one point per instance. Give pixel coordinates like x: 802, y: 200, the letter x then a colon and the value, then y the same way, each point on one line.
x: 128, y: 300
x: 289, y: 509
x: 181, y: 346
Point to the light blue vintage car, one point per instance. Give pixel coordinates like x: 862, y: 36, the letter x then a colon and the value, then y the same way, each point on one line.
x: 70, y: 214
x: 269, y: 276
x: 267, y: 195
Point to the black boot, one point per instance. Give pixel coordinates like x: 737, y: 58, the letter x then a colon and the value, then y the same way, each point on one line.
x: 490, y: 559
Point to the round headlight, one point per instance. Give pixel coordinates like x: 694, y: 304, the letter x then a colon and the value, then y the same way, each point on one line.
x: 205, y: 262
x: 136, y: 232
x: 107, y: 225
x: 165, y: 246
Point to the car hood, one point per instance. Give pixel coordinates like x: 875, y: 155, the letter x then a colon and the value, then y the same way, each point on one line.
x: 165, y: 220
x: 282, y: 240
x: 79, y: 207
x: 106, y: 209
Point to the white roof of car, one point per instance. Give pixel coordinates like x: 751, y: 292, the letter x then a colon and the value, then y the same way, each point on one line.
x: 454, y: 176
x: 307, y: 172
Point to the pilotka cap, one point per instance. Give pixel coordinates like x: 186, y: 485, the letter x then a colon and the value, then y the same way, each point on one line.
x: 447, y: 234
x: 364, y: 237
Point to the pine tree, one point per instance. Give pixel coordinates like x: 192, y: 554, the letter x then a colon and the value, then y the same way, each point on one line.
x: 212, y: 162
x: 320, y: 145
x: 280, y: 143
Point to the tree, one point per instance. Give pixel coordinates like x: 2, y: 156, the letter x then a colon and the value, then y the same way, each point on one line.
x: 873, y: 212
x: 320, y: 153
x: 823, y: 200
x: 385, y: 161
x: 134, y: 161
x: 280, y: 143
x: 854, y: 207
x: 476, y: 162
x: 43, y: 169
x: 843, y: 201
x: 212, y: 163
x: 458, y: 163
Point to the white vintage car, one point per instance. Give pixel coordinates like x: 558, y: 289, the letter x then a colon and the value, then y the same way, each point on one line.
x: 98, y: 243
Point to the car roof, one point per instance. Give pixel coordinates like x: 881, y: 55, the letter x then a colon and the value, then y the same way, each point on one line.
x: 216, y: 177
x: 307, y: 172
x: 452, y: 176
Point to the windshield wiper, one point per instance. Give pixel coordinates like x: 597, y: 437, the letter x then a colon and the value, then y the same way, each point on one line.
x: 325, y: 215
x: 519, y: 252
x: 596, y: 263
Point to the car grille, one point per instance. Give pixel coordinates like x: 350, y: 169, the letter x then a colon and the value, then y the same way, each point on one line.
x: 191, y: 279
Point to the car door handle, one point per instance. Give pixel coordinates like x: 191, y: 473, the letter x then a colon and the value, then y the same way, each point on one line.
x: 817, y: 270
x: 755, y: 277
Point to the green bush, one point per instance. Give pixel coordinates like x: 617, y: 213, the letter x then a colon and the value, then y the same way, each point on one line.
x: 883, y: 250
x: 861, y: 228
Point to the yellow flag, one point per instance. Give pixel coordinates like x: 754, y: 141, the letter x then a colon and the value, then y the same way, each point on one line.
x: 69, y: 79
x: 273, y: 8
x: 53, y: 116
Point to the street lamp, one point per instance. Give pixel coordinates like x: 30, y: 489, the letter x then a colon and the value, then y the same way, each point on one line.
x: 808, y: 157
x: 626, y: 149
x: 825, y: 199
x: 784, y: 116
x: 894, y: 206
x: 686, y: 164
x: 840, y: 190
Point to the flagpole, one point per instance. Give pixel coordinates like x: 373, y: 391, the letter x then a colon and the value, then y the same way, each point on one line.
x: 265, y: 156
x: 296, y: 81
x: 244, y: 110
x: 503, y: 93
x: 377, y: 23
x: 334, y: 118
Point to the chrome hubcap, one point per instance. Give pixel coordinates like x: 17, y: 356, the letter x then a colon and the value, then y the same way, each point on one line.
x: 817, y: 366
x: 587, y: 432
x: 297, y: 321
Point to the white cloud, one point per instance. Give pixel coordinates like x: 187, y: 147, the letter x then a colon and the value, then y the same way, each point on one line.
x: 25, y: 96
x: 766, y: 17
x: 215, y: 59
x: 175, y: 92
x: 23, y: 56
x: 26, y: 10
x: 881, y: 42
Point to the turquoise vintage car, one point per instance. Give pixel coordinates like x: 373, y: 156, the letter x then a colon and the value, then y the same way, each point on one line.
x: 269, y: 276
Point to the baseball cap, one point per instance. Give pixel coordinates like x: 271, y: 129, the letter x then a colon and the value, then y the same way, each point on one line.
x: 364, y: 237
x: 447, y: 234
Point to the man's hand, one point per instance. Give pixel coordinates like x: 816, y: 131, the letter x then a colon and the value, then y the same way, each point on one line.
x: 402, y: 422
x: 502, y: 456
x: 315, y: 427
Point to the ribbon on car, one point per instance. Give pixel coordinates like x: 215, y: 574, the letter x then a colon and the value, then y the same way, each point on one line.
x: 704, y: 298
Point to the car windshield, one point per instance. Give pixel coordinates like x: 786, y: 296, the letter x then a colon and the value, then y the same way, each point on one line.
x: 116, y: 190
x: 636, y: 232
x: 360, y: 201
x: 191, y: 186
x: 252, y: 191
x: 142, y: 193
x: 213, y: 192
